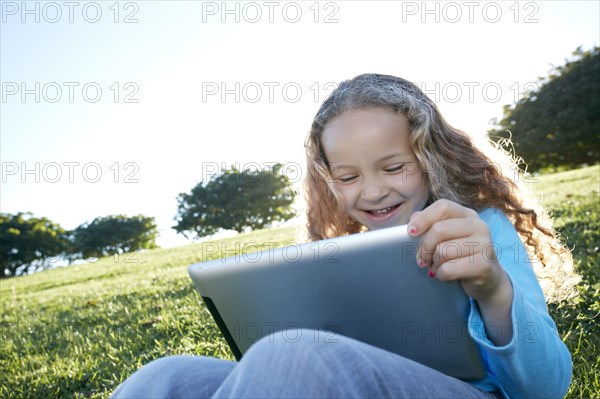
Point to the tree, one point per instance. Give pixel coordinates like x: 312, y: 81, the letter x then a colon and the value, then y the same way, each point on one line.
x: 29, y: 244
x: 235, y: 200
x: 558, y: 124
x: 115, y: 234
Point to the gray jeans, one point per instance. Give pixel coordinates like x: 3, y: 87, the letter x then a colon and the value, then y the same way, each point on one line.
x: 307, y: 366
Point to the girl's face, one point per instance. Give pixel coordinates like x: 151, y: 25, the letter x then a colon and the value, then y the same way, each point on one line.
x: 373, y: 167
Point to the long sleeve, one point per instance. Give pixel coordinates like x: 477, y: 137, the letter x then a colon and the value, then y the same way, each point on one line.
x: 536, y: 363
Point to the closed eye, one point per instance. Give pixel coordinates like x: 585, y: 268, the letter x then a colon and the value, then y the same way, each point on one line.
x: 396, y: 168
x: 347, y: 179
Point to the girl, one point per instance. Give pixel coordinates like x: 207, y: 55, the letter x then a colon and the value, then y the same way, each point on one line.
x: 379, y: 155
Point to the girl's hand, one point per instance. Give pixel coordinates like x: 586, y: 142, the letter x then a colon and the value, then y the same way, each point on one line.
x: 456, y: 245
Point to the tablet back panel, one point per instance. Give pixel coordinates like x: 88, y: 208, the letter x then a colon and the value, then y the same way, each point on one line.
x: 365, y: 286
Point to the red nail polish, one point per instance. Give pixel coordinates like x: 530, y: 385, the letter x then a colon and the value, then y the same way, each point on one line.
x: 412, y: 230
x: 431, y: 274
x: 420, y: 263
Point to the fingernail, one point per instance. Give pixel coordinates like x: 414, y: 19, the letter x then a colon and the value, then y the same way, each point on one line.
x: 420, y: 262
x: 412, y: 230
x: 431, y: 274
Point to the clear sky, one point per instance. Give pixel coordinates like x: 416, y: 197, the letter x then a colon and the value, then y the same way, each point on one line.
x: 117, y: 107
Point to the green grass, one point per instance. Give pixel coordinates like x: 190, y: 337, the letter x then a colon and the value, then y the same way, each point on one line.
x: 574, y: 199
x: 80, y: 330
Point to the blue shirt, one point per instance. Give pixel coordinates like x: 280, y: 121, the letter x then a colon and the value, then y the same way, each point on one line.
x: 535, y: 363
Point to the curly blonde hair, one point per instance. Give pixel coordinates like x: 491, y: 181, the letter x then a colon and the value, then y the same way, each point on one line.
x: 475, y: 176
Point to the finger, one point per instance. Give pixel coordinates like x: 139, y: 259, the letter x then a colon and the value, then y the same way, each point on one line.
x: 468, y: 249
x: 474, y: 268
x: 478, y: 279
x: 447, y: 231
x: 422, y: 221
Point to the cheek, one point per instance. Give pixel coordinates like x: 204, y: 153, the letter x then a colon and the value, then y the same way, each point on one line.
x: 423, y: 193
x: 339, y: 194
x: 421, y: 188
x: 424, y: 184
x: 345, y: 195
x: 412, y: 185
x: 418, y: 181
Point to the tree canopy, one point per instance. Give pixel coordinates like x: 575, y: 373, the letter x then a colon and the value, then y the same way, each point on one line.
x: 558, y: 124
x: 28, y: 244
x: 115, y: 234
x: 235, y: 200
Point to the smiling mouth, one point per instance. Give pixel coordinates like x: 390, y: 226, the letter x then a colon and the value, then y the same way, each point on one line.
x: 383, y: 211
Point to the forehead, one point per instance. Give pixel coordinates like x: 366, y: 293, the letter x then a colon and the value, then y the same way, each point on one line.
x: 366, y: 130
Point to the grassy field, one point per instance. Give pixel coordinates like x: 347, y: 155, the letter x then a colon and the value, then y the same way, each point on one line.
x: 80, y: 330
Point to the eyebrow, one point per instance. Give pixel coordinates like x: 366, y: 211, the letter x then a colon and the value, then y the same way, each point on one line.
x: 382, y: 159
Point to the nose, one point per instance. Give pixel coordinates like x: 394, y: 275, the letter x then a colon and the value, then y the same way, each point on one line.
x: 374, y: 190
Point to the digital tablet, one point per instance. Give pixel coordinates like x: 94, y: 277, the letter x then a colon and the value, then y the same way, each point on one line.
x: 365, y: 286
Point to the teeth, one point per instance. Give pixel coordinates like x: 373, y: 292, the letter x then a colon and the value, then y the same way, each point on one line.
x: 381, y: 211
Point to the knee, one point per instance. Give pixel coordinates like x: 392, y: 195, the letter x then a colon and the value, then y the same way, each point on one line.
x: 163, y: 377
x: 164, y: 366
x: 161, y: 369
x: 185, y: 365
x: 296, y: 345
